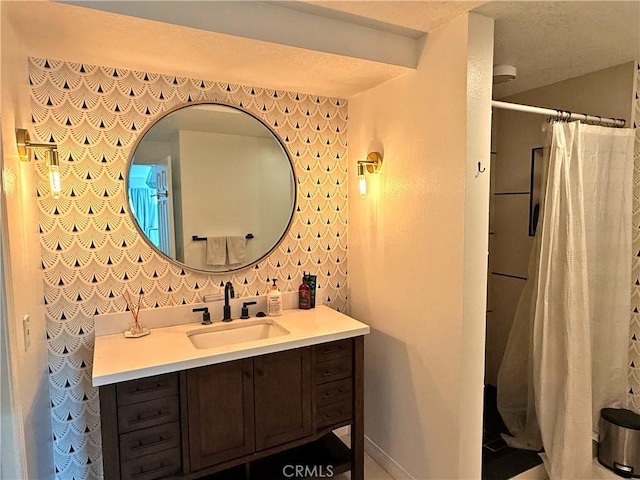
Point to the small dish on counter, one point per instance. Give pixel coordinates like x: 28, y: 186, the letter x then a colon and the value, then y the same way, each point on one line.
x: 142, y: 333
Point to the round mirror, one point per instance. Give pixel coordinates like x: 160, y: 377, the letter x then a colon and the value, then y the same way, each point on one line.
x: 211, y: 187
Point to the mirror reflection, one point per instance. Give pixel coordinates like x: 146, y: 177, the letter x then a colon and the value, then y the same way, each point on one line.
x: 211, y: 187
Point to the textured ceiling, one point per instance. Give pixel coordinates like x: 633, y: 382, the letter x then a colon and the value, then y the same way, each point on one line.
x: 552, y: 41
x: 411, y: 18
x: 549, y: 41
x: 61, y: 31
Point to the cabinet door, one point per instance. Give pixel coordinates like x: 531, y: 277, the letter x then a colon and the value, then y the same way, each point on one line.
x: 282, y: 384
x: 220, y: 412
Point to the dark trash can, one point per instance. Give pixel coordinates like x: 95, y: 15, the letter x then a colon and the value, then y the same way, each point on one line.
x: 619, y: 447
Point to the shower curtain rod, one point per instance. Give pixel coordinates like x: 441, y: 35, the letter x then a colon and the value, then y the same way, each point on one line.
x: 561, y: 114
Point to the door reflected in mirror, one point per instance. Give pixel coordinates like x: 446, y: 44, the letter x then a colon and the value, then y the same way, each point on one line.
x: 211, y: 187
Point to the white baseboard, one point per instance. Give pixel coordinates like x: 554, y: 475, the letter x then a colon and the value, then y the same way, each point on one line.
x: 385, y: 461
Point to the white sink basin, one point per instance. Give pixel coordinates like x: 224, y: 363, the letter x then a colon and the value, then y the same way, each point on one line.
x: 238, y: 331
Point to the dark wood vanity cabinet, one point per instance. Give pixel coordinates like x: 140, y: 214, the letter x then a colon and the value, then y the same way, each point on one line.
x: 282, y: 397
x: 333, y: 382
x: 253, y: 415
x: 219, y: 399
x: 141, y: 434
x: 251, y: 404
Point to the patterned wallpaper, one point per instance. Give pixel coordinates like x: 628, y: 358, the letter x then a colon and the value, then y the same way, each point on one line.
x: 634, y: 346
x: 91, y: 252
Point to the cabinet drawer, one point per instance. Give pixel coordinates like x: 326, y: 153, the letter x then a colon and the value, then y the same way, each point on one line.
x: 149, y: 440
x: 145, y: 389
x: 333, y: 413
x: 332, y: 350
x: 148, y: 414
x: 333, y: 370
x: 151, y: 467
x: 333, y: 392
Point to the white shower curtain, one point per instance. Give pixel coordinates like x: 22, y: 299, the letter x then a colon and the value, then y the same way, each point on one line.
x: 567, y: 353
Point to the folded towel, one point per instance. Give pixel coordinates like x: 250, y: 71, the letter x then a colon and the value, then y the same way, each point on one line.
x: 237, y: 249
x: 216, y: 250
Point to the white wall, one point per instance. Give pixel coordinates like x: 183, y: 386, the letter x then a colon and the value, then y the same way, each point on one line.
x: 607, y: 93
x: 260, y: 204
x: 12, y: 448
x: 409, y: 253
x: 21, y: 256
x: 476, y: 240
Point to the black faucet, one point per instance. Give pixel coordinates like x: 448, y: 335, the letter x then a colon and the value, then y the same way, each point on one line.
x: 228, y: 292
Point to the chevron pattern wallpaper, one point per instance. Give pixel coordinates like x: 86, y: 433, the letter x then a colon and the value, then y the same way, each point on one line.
x: 91, y: 251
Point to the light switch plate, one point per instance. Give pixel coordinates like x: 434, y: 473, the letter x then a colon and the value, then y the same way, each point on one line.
x: 27, y: 332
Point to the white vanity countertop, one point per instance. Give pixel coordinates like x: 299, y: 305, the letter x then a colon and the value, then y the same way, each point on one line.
x: 168, y: 349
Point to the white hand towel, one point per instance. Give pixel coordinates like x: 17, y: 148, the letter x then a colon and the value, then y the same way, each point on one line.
x: 237, y: 249
x: 216, y: 250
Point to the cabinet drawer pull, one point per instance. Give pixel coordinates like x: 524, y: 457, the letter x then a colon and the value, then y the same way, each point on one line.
x: 151, y: 470
x: 148, y: 414
x: 340, y: 391
x: 135, y: 445
x: 142, y: 417
x: 328, y: 373
x: 333, y: 392
x: 259, y: 372
x: 157, y: 386
x: 334, y: 414
x: 147, y: 389
x: 150, y: 444
x: 327, y: 351
x: 333, y: 350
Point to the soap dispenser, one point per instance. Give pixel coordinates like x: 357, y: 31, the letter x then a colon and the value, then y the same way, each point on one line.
x: 274, y: 301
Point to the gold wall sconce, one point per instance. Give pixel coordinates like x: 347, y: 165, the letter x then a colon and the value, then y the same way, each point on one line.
x: 25, y: 146
x: 372, y: 164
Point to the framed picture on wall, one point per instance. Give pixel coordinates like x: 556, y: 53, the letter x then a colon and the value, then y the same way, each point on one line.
x: 535, y: 189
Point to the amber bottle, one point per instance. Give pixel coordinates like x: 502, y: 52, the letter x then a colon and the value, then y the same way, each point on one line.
x: 304, y: 295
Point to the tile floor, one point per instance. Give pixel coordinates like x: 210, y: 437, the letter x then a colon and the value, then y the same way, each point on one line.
x: 539, y: 473
x: 372, y: 471
x: 499, y: 461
